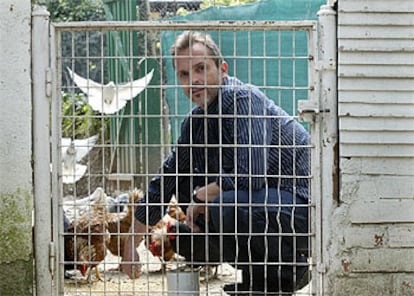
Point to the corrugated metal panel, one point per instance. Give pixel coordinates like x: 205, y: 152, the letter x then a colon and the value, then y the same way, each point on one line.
x: 380, y: 71
x: 376, y: 124
x: 376, y: 110
x: 380, y: 19
x: 384, y: 137
x: 382, y: 187
x: 376, y: 6
x: 383, y: 211
x: 375, y: 32
x: 377, y: 96
x: 390, y: 166
x: 376, y: 58
x: 376, y: 83
x: 377, y: 150
x: 384, y: 45
x: 367, y: 83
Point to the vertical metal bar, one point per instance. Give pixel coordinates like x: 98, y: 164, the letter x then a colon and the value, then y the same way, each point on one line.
x: 329, y: 131
x: 315, y: 214
x: 41, y: 149
x: 56, y: 135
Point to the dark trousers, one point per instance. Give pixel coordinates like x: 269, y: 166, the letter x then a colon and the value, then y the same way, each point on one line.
x: 265, y: 234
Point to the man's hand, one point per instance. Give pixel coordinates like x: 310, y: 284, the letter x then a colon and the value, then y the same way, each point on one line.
x: 130, y: 260
x: 204, y: 194
x: 193, y: 211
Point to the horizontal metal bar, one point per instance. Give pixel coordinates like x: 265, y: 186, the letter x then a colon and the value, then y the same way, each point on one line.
x: 197, y: 25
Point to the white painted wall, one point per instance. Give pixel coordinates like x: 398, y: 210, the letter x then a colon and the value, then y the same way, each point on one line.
x: 371, y: 251
x: 15, y: 95
x: 16, y: 199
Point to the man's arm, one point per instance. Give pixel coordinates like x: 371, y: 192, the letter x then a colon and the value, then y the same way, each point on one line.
x: 130, y: 259
x: 205, y: 195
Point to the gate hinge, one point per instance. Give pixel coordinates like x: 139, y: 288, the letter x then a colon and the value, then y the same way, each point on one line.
x: 321, y: 267
x: 309, y: 110
x: 48, y: 82
x: 52, y: 258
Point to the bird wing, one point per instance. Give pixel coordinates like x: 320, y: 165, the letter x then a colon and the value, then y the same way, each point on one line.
x: 130, y: 90
x: 86, y: 85
x: 83, y: 146
x: 113, y: 98
x: 107, y: 106
x: 92, y: 89
x: 65, y: 143
x: 118, y: 94
x: 72, y: 175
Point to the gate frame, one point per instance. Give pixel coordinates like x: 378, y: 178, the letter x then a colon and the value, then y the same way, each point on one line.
x: 320, y: 77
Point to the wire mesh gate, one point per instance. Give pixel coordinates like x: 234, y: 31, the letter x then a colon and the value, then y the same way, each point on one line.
x: 81, y: 127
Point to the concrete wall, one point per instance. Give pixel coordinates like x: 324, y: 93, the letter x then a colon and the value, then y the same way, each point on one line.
x: 16, y: 199
x: 371, y: 251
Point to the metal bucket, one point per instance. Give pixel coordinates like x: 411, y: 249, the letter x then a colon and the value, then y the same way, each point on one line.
x: 183, y: 283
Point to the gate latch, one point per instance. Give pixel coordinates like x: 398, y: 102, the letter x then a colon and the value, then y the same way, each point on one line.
x: 52, y: 258
x: 48, y: 82
x: 309, y: 110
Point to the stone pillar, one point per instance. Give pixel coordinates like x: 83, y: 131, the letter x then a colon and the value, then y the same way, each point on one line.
x: 16, y: 198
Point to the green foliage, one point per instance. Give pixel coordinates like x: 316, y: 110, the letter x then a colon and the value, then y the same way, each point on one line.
x: 182, y: 11
x: 79, y: 120
x: 76, y: 10
x: 80, y: 44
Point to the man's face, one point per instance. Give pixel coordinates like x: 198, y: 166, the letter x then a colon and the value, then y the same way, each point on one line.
x: 199, y: 75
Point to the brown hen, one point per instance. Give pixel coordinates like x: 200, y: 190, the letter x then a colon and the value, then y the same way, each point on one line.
x: 159, y: 241
x: 164, y: 234
x: 119, y: 224
x: 86, y: 247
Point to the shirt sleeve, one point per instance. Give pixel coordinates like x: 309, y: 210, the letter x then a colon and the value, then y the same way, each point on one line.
x: 168, y: 181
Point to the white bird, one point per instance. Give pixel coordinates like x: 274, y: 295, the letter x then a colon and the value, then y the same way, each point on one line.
x: 110, y: 98
x: 74, y: 208
x: 72, y: 152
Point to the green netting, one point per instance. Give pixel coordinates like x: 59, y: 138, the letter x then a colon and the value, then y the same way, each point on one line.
x: 284, y: 71
x: 131, y: 135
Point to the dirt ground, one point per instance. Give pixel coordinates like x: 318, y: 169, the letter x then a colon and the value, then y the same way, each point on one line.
x: 153, y: 280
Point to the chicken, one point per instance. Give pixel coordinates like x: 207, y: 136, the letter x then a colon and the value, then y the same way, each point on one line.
x: 110, y: 98
x: 85, y: 245
x: 171, y: 236
x: 76, y: 207
x: 159, y: 241
x: 119, y: 224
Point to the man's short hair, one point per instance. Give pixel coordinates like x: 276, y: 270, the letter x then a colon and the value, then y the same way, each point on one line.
x: 186, y: 39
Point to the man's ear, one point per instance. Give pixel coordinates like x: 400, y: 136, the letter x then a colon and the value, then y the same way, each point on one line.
x: 224, y: 69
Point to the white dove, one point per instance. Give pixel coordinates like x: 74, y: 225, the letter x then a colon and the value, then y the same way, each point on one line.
x: 72, y: 152
x: 110, y: 98
x: 76, y: 207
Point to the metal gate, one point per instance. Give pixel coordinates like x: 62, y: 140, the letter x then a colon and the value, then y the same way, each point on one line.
x: 80, y: 127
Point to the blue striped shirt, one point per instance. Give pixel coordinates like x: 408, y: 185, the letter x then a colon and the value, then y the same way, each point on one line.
x: 243, y: 142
